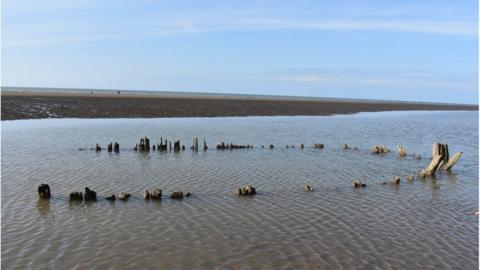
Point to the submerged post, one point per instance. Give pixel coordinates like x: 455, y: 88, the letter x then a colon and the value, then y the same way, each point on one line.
x: 44, y: 191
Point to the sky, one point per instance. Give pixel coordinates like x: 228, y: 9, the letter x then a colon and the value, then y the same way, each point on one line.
x: 396, y: 50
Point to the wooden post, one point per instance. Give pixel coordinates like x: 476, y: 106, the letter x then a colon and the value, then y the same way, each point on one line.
x: 116, y: 148
x: 434, y: 165
x: 90, y: 195
x: 98, y: 148
x: 205, y: 147
x: 44, y: 191
x: 110, y: 147
x: 176, y: 146
x: 451, y: 162
x: 441, y: 159
x: 401, y: 151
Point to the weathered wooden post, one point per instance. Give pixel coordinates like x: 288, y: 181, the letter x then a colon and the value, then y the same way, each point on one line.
x: 116, y: 148
x: 156, y: 194
x: 110, y: 147
x: 301, y: 146
x: 395, y: 180
x: 246, y: 191
x: 123, y: 196
x: 75, y: 196
x: 358, y: 184
x: 176, y: 146
x: 98, y: 148
x: 147, y: 144
x: 146, y: 195
x: 451, y: 162
x: 380, y: 149
x: 170, y: 145
x: 205, y: 147
x: 440, y: 160
x: 318, y: 146
x: 90, y: 195
x: 44, y: 191
x: 176, y: 195
x: 401, y: 151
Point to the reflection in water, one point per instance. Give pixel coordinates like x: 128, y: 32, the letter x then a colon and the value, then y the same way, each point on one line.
x: 43, y: 206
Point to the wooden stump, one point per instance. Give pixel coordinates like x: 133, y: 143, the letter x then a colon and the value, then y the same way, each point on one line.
x: 401, y: 151
x: 90, y: 195
x: 358, y: 184
x: 308, y: 188
x: 146, y: 195
x: 395, y: 180
x: 441, y: 159
x: 110, y: 147
x: 176, y: 146
x: 123, y: 196
x: 75, y: 196
x: 318, y: 146
x: 116, y: 148
x: 156, y: 194
x: 246, y: 191
x: 44, y: 191
x: 176, y: 195
x: 451, y: 162
x: 380, y: 149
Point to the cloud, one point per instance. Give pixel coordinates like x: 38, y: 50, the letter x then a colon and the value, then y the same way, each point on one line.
x: 181, y: 25
x: 373, y: 79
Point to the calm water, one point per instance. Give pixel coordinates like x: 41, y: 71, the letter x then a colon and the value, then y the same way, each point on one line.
x: 427, y: 224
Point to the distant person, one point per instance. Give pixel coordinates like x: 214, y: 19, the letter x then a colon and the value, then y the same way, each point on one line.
x: 118, y: 92
x: 91, y: 92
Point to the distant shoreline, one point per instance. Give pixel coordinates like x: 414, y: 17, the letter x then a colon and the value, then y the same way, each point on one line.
x: 82, y: 103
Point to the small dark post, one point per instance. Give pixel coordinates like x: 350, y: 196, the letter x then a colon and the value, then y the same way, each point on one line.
x: 44, y: 191
x: 176, y: 146
x: 98, y: 148
x: 147, y: 144
x: 110, y: 147
x: 116, y: 148
x: 90, y: 195
x: 205, y: 147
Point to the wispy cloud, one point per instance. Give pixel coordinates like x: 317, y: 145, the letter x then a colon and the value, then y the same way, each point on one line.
x: 372, y: 79
x: 153, y: 27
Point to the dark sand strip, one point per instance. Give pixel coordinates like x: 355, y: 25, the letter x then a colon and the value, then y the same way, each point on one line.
x: 33, y: 105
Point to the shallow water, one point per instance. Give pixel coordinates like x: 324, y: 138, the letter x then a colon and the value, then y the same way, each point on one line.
x: 425, y: 224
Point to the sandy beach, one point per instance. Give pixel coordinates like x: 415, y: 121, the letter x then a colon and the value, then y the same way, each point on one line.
x: 36, y: 104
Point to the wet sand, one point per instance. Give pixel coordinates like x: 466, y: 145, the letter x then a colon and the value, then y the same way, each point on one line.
x: 34, y: 105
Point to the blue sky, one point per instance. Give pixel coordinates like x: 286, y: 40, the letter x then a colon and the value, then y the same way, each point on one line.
x: 402, y: 50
